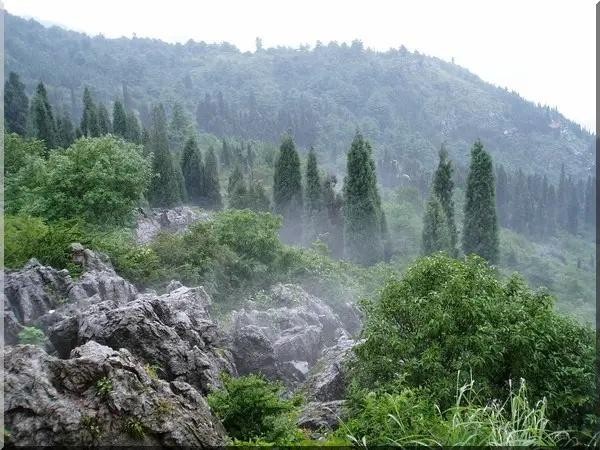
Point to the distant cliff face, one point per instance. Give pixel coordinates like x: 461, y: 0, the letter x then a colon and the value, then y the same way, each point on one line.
x: 407, y: 103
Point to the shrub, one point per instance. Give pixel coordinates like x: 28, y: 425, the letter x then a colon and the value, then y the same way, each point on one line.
x: 31, y: 335
x: 447, y: 316
x: 252, y: 408
x: 27, y: 237
x: 134, y: 428
x: 104, y: 387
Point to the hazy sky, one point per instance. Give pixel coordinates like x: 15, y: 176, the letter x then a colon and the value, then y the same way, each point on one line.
x: 544, y: 49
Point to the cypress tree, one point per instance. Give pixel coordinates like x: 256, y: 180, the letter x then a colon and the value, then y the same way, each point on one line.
x: 225, y: 154
x: 65, y: 135
x: 42, y: 119
x: 104, y: 125
x: 166, y: 188
x: 89, y: 120
x: 134, y: 133
x: 442, y: 188
x: 287, y: 190
x: 16, y: 105
x: 362, y: 213
x: 333, y: 204
x: 193, y: 172
x: 480, y: 229
x: 212, y: 190
x: 313, y: 185
x: 119, y: 120
x: 436, y: 233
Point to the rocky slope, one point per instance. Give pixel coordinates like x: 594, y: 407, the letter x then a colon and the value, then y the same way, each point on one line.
x: 121, y: 367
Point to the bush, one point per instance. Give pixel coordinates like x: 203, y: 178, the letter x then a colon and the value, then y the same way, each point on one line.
x: 253, y: 409
x: 99, y: 180
x: 31, y: 335
x: 28, y: 237
x: 447, y: 316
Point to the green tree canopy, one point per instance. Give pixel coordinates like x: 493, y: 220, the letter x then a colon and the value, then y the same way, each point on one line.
x: 443, y: 186
x: 287, y: 190
x: 16, y: 105
x: 193, y: 172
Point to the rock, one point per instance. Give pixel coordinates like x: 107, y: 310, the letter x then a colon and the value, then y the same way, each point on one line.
x: 39, y: 295
x: 327, y: 381
x: 100, y: 397
x: 321, y: 416
x: 178, y: 219
x: 173, y: 331
x: 284, y: 340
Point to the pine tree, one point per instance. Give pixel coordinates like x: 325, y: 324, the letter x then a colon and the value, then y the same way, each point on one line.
x: 502, y: 196
x: 287, y: 190
x: 133, y: 129
x: 193, y: 172
x: 65, y: 134
x: 42, y: 122
x: 333, y: 204
x: 442, y: 188
x: 480, y: 229
x: 89, y: 120
x: 313, y: 185
x: 166, y: 188
x: 212, y: 190
x: 104, y: 125
x: 119, y: 120
x: 225, y: 154
x: 362, y: 214
x: 16, y: 105
x: 179, y: 128
x: 236, y: 189
x: 436, y: 233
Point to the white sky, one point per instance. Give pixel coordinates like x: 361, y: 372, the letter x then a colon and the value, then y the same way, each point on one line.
x: 543, y: 49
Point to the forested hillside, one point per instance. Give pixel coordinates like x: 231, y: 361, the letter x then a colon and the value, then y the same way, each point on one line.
x: 406, y: 103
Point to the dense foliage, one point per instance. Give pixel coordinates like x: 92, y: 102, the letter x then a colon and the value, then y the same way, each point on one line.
x: 253, y: 409
x: 447, y: 316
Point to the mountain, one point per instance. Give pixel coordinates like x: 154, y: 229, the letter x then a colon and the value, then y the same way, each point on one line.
x: 406, y: 103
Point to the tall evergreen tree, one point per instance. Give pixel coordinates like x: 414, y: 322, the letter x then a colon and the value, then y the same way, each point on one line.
x: 236, y: 189
x: 166, y: 188
x: 42, y: 122
x: 436, y: 233
x: 334, y: 230
x: 179, y: 128
x: 89, y: 120
x: 442, y: 188
x: 16, y: 105
x: 572, y: 208
x: 287, y: 190
x: 65, y: 135
x: 480, y: 229
x: 212, y: 190
x: 313, y: 185
x: 193, y: 172
x: 225, y: 154
x: 590, y: 201
x: 362, y: 214
x: 134, y: 134
x: 119, y: 120
x: 104, y: 125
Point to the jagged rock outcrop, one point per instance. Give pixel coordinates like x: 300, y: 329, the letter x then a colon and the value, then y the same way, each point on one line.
x: 173, y: 331
x: 285, y: 339
x: 39, y: 295
x: 101, y: 397
x: 151, y: 222
x: 325, y: 387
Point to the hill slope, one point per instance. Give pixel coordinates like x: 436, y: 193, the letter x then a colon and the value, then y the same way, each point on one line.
x: 404, y: 102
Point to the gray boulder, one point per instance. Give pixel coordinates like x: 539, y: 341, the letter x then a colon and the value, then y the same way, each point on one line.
x: 320, y: 417
x: 283, y: 339
x: 100, y: 397
x: 173, y: 331
x: 178, y: 219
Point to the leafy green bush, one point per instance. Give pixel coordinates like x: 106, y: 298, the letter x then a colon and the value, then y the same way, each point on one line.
x: 31, y: 335
x: 27, y: 237
x: 253, y: 409
x: 448, y: 316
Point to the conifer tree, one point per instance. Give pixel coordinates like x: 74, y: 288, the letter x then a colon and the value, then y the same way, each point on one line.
x: 362, y: 213
x: 119, y: 120
x: 179, y: 128
x: 89, y: 120
x: 16, y: 105
x: 166, y: 188
x: 436, y: 234
x: 193, y: 172
x: 134, y: 133
x: 212, y: 190
x: 287, y: 190
x: 313, y: 185
x: 65, y: 135
x: 590, y: 201
x: 259, y: 200
x: 572, y: 208
x: 225, y: 154
x: 333, y: 204
x: 42, y: 122
x: 480, y: 229
x: 442, y: 188
x: 104, y: 125
x: 236, y: 189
